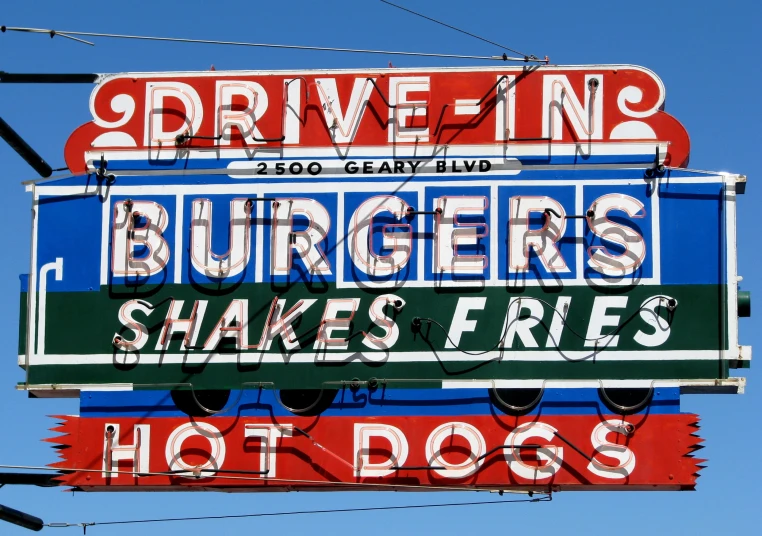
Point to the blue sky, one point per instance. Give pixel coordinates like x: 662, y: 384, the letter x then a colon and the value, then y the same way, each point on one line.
x: 706, y: 54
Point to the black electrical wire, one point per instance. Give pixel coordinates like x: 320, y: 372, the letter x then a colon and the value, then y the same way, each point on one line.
x: 613, y: 332
x: 544, y: 498
x: 69, y: 34
x: 563, y: 319
x: 24, y: 150
x: 527, y: 57
x: 456, y: 346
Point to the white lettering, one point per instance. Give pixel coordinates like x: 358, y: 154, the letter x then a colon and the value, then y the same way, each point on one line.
x: 460, y: 323
x: 599, y: 319
x: 229, y: 95
x: 558, y: 323
x: 360, y: 240
x: 621, y: 453
x: 550, y: 456
x: 140, y: 223
x: 408, y: 109
x: 380, y: 319
x: 139, y: 331
x: 451, y: 233
x: 234, y: 260
x: 138, y: 453
x: 650, y: 315
x: 505, y: 108
x: 157, y: 110
x: 293, y: 120
x: 306, y: 243
x: 174, y: 448
x: 542, y: 240
x: 343, y: 126
x: 233, y: 323
x: 445, y: 432
x: 559, y: 98
x: 269, y: 436
x: 522, y: 326
x: 601, y: 259
x: 331, y: 322
x: 281, y: 324
x: 174, y: 324
x: 362, y: 447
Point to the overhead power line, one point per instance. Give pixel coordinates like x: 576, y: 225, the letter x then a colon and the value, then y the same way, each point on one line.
x: 48, y: 78
x: 544, y: 498
x: 69, y: 34
x: 527, y: 57
x: 289, y: 481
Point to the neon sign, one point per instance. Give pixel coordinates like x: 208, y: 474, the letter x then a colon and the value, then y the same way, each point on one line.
x: 567, y: 447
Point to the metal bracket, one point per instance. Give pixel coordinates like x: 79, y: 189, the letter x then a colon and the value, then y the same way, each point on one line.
x: 251, y: 200
x: 48, y: 78
x: 182, y: 138
x: 24, y: 150
x: 102, y: 169
x: 412, y: 212
x: 589, y: 214
x: 740, y: 184
x: 657, y: 168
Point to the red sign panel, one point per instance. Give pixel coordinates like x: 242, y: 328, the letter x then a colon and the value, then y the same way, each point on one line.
x: 544, y: 453
x: 162, y: 116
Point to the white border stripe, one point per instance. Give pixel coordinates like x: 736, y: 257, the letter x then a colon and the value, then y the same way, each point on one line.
x: 705, y: 385
x: 247, y: 158
x: 178, y: 264
x: 655, y: 233
x: 307, y: 357
x: 325, y: 185
x: 739, y: 383
x: 732, y: 264
x: 105, y: 232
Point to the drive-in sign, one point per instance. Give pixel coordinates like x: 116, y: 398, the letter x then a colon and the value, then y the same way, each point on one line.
x: 190, y: 256
x: 591, y: 114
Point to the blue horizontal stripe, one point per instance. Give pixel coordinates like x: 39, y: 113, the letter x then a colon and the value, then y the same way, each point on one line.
x: 365, y: 403
x: 193, y: 178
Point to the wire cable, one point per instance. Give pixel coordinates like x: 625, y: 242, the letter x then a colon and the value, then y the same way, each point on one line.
x: 527, y: 57
x: 67, y: 33
x: 564, y: 321
x: 544, y: 498
x: 286, y: 481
